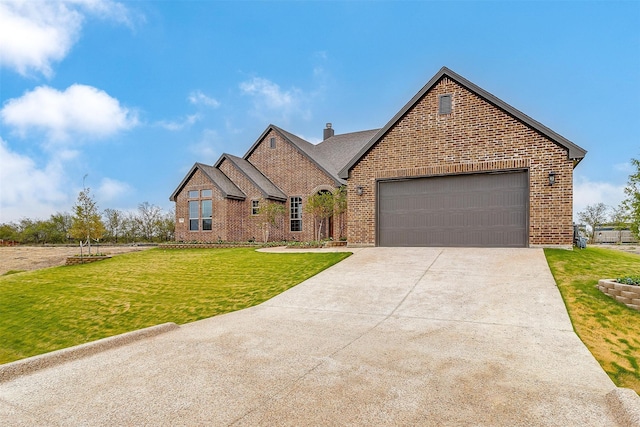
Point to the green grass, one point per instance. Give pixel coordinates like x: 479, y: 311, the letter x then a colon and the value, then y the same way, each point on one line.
x: 50, y: 309
x: 609, y: 329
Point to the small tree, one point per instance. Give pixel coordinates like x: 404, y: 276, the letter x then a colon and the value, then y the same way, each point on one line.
x: 593, y: 216
x: 340, y: 202
x: 270, y: 215
x: 86, y: 221
x: 632, y: 202
x: 320, y: 206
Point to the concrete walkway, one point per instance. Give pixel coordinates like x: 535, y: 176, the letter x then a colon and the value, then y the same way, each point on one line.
x: 415, y: 336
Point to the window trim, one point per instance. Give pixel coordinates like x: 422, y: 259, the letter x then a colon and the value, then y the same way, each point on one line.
x: 255, y: 207
x: 295, y: 213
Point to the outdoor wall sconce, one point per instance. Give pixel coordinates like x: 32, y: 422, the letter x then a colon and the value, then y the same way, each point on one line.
x: 359, y: 190
x: 552, y: 178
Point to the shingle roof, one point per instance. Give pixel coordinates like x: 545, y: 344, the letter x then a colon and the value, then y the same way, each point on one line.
x: 266, y: 187
x: 330, y: 156
x: 339, y: 149
x: 574, y: 152
x: 219, y: 179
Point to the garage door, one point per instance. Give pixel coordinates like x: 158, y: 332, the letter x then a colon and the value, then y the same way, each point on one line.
x: 480, y: 210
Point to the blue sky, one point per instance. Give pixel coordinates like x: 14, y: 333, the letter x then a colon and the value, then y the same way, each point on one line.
x: 131, y: 94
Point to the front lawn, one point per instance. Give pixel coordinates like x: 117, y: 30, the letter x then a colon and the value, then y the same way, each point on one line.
x: 54, y: 308
x: 609, y: 329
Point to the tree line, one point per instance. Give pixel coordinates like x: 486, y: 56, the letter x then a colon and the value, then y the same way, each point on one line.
x: 624, y: 216
x: 146, y: 224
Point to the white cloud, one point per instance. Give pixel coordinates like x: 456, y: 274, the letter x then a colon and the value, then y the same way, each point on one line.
x: 207, y: 148
x: 586, y: 192
x: 79, y: 110
x: 111, y: 189
x: 179, y: 125
x: 29, y: 191
x: 199, y: 98
x: 36, y: 34
x: 270, y: 99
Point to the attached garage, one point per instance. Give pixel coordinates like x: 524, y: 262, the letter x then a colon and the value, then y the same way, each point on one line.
x: 457, y: 166
x: 481, y: 210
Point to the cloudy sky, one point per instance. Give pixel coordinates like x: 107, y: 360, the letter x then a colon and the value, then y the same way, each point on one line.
x: 125, y: 96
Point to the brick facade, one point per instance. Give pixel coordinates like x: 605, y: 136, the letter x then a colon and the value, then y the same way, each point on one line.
x: 295, y: 175
x: 292, y: 172
x: 475, y: 137
x: 479, y: 134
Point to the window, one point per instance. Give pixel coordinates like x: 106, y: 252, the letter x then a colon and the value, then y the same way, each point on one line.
x: 207, y: 211
x: 255, y: 207
x: 272, y: 143
x: 296, y: 214
x: 200, y: 211
x: 444, y: 104
x: 193, y: 215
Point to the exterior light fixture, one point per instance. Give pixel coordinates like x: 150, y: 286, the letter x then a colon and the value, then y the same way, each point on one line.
x: 359, y: 190
x: 552, y: 178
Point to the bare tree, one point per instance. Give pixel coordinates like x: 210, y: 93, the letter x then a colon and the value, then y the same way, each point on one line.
x: 593, y: 216
x: 149, y: 218
x: 114, y: 221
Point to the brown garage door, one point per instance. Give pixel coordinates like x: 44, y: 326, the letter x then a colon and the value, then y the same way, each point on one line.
x: 480, y: 210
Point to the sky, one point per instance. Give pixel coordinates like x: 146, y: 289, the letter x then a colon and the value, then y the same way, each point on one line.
x: 124, y: 97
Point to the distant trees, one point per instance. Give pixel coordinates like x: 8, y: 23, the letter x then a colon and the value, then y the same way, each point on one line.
x: 147, y: 224
x: 593, y: 216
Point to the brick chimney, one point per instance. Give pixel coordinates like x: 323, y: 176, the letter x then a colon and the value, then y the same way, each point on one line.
x: 328, y: 132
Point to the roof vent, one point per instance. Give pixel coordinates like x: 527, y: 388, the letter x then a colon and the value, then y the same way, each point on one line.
x: 328, y: 132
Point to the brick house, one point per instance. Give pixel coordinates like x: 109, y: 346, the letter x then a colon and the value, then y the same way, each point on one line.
x: 456, y: 166
x: 221, y: 202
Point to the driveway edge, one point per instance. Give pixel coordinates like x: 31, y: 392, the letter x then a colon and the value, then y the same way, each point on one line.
x: 29, y: 365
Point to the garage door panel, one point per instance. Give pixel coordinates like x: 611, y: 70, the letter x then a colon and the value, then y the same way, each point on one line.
x: 463, y: 210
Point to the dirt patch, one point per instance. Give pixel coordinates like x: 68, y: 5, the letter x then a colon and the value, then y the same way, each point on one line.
x: 37, y: 257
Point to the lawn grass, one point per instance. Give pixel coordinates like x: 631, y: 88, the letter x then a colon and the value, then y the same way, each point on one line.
x: 609, y: 329
x: 54, y: 308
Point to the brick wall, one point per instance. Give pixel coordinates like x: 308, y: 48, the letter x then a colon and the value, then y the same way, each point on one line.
x: 295, y: 175
x: 199, y: 181
x: 475, y: 137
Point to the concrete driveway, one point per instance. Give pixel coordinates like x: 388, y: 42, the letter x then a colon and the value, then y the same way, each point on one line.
x: 415, y: 336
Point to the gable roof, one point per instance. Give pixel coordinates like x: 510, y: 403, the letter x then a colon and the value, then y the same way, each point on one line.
x: 330, y: 155
x: 266, y: 187
x: 574, y: 152
x: 226, y: 187
x: 306, y: 148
